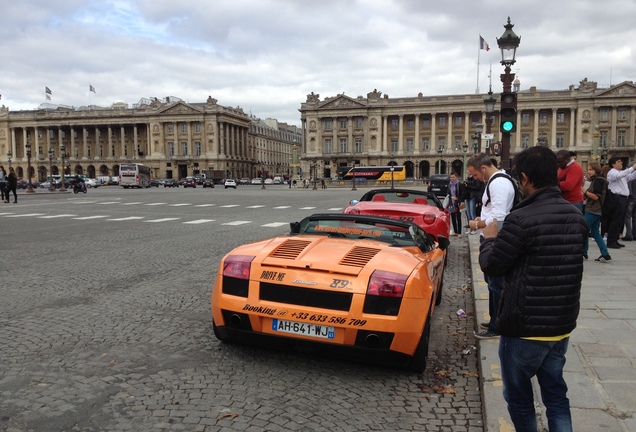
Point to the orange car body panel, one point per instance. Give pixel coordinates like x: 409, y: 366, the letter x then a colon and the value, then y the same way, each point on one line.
x: 317, y: 267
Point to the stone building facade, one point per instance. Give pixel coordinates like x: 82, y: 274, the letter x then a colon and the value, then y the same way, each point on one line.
x: 174, y: 138
x: 429, y: 134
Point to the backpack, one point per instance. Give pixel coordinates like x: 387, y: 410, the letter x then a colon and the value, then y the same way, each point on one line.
x: 518, y: 195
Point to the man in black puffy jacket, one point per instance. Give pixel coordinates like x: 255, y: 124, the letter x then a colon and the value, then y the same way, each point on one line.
x: 539, y: 250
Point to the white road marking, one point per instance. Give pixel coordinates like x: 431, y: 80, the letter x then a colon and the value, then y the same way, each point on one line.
x: 205, y: 205
x: 132, y: 203
x: 127, y: 218
x: 255, y: 206
x: 237, y: 223
x: 109, y: 202
x: 27, y: 214
x: 56, y: 216
x: 155, y: 204
x: 306, y: 208
x: 82, y: 202
x: 91, y: 217
x: 282, y: 207
x: 200, y: 221
x: 230, y: 205
x: 335, y: 209
x: 180, y: 205
x: 275, y: 224
x: 5, y: 214
x: 162, y: 220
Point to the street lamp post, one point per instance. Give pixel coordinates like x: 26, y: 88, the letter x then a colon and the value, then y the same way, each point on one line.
x: 63, y: 156
x: 476, y: 143
x: 9, y: 156
x: 28, y: 152
x: 315, y: 174
x: 489, y: 105
x: 51, y: 185
x: 392, y: 170
x: 353, y: 165
x: 465, y: 148
x: 508, y: 43
x: 440, y: 150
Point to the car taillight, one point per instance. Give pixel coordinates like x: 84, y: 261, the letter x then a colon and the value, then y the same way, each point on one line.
x: 429, y: 218
x: 386, y: 284
x: 237, y: 266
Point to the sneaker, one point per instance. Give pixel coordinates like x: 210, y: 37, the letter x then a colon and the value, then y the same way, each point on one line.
x: 486, y: 334
x: 620, y: 244
x: 613, y: 245
x: 484, y: 325
x: 585, y: 256
x: 603, y: 258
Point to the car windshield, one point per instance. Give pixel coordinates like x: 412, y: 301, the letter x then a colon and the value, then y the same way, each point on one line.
x: 379, y: 230
x: 402, y: 196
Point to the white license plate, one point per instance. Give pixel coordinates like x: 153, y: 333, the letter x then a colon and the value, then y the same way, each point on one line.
x: 304, y: 329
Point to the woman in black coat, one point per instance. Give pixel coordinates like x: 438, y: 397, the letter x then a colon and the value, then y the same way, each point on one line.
x: 12, y: 186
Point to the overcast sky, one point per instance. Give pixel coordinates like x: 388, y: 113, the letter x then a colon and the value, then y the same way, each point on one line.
x: 267, y: 55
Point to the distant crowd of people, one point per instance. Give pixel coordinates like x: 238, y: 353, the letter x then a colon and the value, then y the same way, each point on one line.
x: 8, y: 184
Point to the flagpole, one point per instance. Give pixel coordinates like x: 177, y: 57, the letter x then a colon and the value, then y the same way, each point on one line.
x: 478, y: 52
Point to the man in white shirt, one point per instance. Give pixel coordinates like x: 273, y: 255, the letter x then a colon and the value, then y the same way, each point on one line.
x: 617, y: 183
x: 497, y: 200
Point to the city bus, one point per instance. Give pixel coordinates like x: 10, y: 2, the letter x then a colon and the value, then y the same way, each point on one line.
x: 134, y: 175
x: 379, y: 173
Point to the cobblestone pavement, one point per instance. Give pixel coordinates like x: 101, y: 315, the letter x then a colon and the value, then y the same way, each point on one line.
x: 94, y: 342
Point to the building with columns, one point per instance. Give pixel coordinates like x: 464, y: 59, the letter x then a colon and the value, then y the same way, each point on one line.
x: 429, y: 134
x: 174, y: 138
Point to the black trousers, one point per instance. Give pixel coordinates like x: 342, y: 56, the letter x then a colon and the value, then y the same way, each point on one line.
x: 616, y: 220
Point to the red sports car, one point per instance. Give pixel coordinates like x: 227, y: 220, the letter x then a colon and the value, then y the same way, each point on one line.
x: 422, y: 208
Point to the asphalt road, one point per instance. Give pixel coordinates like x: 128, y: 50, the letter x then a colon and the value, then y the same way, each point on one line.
x: 105, y: 324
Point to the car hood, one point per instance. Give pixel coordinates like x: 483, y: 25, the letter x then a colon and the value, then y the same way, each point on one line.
x: 333, y: 255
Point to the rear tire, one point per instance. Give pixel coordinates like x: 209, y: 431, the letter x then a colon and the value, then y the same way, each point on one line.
x: 418, y: 361
x: 438, y: 299
x: 218, y: 334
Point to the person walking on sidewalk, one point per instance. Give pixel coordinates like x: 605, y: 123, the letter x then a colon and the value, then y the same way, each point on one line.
x: 595, y: 196
x: 455, y: 192
x: 498, y: 197
x: 539, y: 250
x: 571, y: 177
x: 630, y: 213
x: 12, y: 186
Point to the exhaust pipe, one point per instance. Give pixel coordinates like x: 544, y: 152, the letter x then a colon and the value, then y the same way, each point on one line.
x: 235, y: 320
x: 373, y: 340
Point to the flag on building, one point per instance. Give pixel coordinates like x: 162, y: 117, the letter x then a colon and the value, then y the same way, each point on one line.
x: 482, y: 44
x: 47, y: 90
x: 91, y: 89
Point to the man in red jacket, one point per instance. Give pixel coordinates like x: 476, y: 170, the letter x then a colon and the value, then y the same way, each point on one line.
x: 570, y: 176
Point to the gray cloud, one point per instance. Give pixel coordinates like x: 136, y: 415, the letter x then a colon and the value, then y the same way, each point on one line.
x: 267, y: 55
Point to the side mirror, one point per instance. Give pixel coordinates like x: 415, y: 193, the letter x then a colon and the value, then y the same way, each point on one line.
x: 443, y: 242
x: 295, y: 227
x: 353, y: 202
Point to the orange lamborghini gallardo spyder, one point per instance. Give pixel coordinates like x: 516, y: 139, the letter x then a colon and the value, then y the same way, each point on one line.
x: 355, y: 284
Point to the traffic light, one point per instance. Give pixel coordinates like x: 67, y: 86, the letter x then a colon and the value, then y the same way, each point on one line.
x: 508, y: 112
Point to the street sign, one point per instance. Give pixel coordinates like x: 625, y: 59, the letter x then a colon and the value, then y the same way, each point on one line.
x: 488, y: 136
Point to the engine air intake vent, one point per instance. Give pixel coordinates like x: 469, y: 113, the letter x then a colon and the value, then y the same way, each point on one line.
x: 359, y: 256
x: 290, y: 249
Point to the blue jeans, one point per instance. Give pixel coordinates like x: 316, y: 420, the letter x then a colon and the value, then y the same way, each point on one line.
x: 594, y: 222
x: 471, y: 209
x: 495, y: 288
x: 521, y: 360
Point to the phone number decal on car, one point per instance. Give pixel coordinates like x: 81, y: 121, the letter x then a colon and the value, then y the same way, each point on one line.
x: 329, y: 319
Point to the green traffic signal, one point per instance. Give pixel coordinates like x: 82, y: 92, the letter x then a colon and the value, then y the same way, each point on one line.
x: 507, y: 126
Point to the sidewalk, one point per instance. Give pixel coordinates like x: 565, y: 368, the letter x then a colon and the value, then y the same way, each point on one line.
x: 601, y: 359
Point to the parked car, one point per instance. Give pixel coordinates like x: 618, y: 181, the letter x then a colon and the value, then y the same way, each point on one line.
x: 154, y: 182
x: 189, y: 182
x: 208, y: 183
x: 24, y: 183
x: 379, y: 308
x: 269, y: 181
x: 170, y: 183
x: 438, y: 184
x: 256, y: 181
x: 423, y: 208
x: 244, y: 181
x: 230, y: 183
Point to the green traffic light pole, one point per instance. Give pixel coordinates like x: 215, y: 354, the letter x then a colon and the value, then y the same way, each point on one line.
x: 508, y: 43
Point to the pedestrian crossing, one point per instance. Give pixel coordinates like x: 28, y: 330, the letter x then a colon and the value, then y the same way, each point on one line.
x: 149, y: 219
